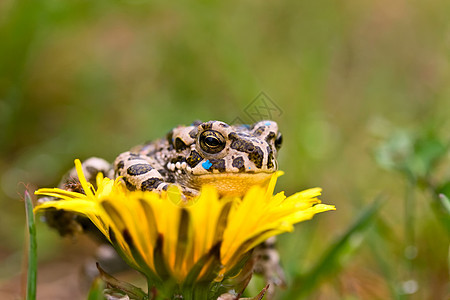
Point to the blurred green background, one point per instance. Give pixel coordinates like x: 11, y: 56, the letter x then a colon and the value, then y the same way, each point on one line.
x: 363, y: 96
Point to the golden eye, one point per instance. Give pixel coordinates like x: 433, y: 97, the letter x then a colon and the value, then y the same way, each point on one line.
x: 212, y: 141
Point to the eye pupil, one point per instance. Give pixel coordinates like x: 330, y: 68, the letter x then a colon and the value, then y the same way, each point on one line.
x: 212, y: 141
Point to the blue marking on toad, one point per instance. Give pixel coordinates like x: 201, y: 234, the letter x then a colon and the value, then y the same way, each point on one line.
x: 207, y: 164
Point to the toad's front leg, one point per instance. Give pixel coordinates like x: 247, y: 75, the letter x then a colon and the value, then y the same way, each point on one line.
x: 267, y: 263
x: 139, y: 172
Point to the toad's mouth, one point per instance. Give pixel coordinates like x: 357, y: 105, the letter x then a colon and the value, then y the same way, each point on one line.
x: 231, y: 184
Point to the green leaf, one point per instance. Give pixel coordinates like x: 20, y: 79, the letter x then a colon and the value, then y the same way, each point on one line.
x: 132, y: 291
x: 413, y: 154
x: 96, y: 291
x: 428, y: 150
x: 259, y: 296
x: 32, y: 249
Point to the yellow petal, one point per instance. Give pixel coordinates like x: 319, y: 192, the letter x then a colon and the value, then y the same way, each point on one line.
x: 86, y: 186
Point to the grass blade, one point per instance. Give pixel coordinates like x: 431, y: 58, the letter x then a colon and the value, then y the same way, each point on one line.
x: 378, y: 243
x: 32, y: 249
x: 445, y: 202
x: 334, y: 255
x: 441, y: 208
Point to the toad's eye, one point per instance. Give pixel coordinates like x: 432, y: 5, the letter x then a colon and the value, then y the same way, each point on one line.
x: 212, y: 141
x: 278, y: 141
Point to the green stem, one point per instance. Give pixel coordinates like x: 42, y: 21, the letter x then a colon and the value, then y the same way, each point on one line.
x: 32, y: 249
x: 410, y: 205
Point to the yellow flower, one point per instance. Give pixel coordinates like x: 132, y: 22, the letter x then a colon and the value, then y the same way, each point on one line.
x: 180, y: 246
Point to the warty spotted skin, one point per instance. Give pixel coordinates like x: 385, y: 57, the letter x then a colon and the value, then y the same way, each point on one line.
x: 232, y: 158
